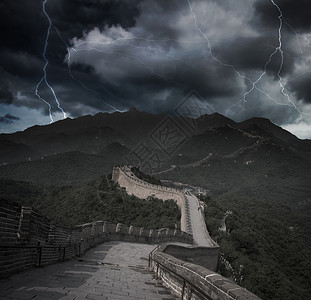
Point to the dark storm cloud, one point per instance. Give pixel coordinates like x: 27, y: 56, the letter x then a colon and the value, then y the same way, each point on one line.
x: 22, y: 41
x: 25, y: 26
x: 74, y: 17
x: 143, y: 86
x: 296, y: 13
x: 149, y: 54
x: 253, y: 53
x: 104, y: 12
x: 7, y: 119
x: 6, y: 97
x: 159, y: 17
x: 19, y: 22
x: 21, y: 64
x: 302, y: 88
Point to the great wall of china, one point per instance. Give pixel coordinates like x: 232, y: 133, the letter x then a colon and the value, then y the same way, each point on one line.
x: 195, y: 280
x: 29, y: 239
x: 142, y: 189
x: 185, y: 263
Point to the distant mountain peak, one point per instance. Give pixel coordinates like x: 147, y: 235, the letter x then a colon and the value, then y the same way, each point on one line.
x: 261, y: 125
x: 216, y: 114
x: 122, y: 132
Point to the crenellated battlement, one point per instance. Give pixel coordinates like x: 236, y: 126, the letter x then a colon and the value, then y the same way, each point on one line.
x: 190, y: 271
x: 29, y: 238
x: 142, y: 189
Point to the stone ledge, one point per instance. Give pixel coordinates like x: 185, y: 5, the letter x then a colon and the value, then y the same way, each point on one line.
x: 206, y: 257
x: 196, y: 281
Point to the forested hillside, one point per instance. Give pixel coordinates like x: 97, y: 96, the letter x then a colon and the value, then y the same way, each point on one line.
x: 99, y: 199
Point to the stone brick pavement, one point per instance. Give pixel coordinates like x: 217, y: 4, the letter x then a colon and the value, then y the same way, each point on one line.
x: 113, y: 270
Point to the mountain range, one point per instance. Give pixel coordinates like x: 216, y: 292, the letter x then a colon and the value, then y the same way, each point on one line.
x: 212, y: 151
x: 255, y: 169
x: 92, y: 134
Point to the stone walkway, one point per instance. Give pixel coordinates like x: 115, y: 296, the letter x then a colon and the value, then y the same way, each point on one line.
x: 113, y: 270
x: 201, y: 236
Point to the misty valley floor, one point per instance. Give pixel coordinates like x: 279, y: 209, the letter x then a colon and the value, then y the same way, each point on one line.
x: 112, y: 270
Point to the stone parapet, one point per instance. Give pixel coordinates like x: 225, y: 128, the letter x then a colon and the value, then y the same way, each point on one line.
x: 29, y: 239
x: 190, y: 281
x: 142, y: 189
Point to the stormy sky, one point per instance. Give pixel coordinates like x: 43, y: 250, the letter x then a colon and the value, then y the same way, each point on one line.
x: 244, y: 58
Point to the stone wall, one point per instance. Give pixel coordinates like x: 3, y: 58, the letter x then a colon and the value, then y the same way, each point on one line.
x: 29, y: 239
x: 141, y: 189
x: 189, y: 271
x: 9, y: 222
x: 191, y: 281
x: 206, y: 257
x: 35, y: 224
x: 12, y: 257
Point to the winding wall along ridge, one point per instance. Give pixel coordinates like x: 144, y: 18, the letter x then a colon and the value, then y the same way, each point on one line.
x: 141, y: 189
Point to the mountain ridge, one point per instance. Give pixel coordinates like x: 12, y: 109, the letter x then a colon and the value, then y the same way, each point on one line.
x: 91, y: 134
x: 255, y: 169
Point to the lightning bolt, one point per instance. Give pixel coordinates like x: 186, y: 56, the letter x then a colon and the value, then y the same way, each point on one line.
x: 253, y: 84
x: 297, y: 35
x: 92, y: 46
x: 280, y: 50
x: 209, y: 45
x: 44, y: 77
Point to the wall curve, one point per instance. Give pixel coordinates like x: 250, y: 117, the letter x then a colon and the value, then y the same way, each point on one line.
x: 142, y: 189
